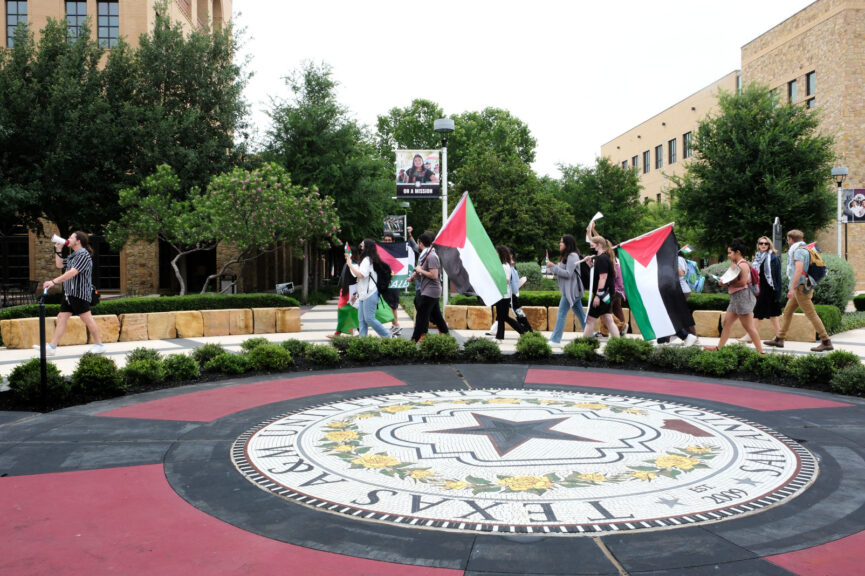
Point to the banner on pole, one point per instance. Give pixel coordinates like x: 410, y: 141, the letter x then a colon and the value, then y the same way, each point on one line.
x: 854, y: 204
x: 418, y: 173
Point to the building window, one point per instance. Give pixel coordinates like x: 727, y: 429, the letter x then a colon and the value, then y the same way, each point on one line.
x: 624, y: 164
x: 791, y: 91
x: 16, y: 13
x: 658, y: 197
x: 76, y: 16
x: 686, y: 145
x: 671, y: 151
x: 14, y: 256
x: 811, y: 83
x: 109, y: 23
x: 659, y: 156
x: 106, y: 265
x: 739, y: 83
x: 811, y: 103
x: 646, y: 162
x: 635, y: 162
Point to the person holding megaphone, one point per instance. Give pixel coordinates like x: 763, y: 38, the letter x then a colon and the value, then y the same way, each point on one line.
x: 77, y: 280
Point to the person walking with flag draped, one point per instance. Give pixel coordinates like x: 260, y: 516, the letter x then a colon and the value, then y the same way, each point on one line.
x: 567, y: 275
x: 367, y: 292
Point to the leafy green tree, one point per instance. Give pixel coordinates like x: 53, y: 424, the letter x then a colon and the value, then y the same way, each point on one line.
x: 754, y: 160
x: 157, y: 209
x: 62, y: 143
x: 315, y: 139
x: 606, y: 188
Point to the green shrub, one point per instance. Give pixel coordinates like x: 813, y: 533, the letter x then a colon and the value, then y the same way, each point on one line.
x: 321, y: 296
x: 206, y: 353
x: 813, y: 370
x: 440, y: 347
x: 836, y: 289
x: 270, y: 358
x: 716, y: 363
x: 481, y: 350
x: 227, y: 363
x: 461, y: 300
x: 583, y: 350
x: 341, y: 342
x: 399, y: 349
x: 364, y: 348
x: 851, y: 321
x: 144, y: 372
x: 830, y: 316
x: 97, y: 375
x: 849, y: 380
x: 253, y: 343
x: 532, y: 272
x: 533, y: 346
x: 322, y: 355
x: 180, y: 368
x: 297, y: 348
x: 25, y: 382
x: 545, y: 298
x: 142, y: 353
x: 704, y: 301
x: 674, y: 358
x: 627, y: 350
x: 842, y: 359
x: 774, y: 366
x: 859, y: 302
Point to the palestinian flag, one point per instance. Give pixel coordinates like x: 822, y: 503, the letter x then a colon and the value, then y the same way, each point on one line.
x: 650, y: 273
x: 400, y: 258
x: 468, y: 256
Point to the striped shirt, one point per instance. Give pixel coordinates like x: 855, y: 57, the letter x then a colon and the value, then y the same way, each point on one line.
x: 80, y: 285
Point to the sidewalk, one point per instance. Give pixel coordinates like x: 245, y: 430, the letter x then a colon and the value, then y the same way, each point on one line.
x: 319, y: 321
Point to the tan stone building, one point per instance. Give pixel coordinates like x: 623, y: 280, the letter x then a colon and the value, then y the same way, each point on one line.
x: 815, y: 58
x: 138, y: 268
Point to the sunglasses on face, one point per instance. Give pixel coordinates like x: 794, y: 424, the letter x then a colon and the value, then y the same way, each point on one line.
x: 762, y: 243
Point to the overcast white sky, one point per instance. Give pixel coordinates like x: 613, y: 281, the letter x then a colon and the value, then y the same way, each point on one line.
x: 578, y: 73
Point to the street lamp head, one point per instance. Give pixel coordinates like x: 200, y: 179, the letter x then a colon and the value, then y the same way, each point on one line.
x: 443, y: 126
x: 839, y: 174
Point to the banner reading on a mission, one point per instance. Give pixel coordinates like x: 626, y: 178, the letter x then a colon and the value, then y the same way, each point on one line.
x: 417, y: 174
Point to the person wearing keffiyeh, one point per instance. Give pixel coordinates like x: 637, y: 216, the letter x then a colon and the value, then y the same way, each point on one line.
x: 768, y: 304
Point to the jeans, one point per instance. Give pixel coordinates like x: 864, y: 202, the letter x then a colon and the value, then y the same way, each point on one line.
x: 802, y: 299
x: 563, y: 314
x: 366, y: 317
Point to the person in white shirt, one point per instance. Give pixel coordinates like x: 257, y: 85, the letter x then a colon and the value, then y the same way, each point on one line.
x: 367, y: 293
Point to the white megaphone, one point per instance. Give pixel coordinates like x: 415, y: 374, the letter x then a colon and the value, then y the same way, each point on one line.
x: 55, y: 239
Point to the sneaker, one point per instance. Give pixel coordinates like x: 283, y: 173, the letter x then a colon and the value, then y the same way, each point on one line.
x: 625, y: 329
x: 746, y: 339
x: 824, y: 346
x: 98, y: 349
x: 49, y: 349
x: 395, y: 330
x: 691, y: 340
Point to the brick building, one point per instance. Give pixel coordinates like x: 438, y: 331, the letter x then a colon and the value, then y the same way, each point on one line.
x: 815, y: 58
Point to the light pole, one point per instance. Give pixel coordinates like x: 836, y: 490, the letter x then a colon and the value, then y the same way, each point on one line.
x: 839, y: 174
x: 444, y: 126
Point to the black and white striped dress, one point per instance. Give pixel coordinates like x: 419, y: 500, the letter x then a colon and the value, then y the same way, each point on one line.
x: 81, y: 285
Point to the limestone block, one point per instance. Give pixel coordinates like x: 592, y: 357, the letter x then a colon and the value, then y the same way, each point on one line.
x: 109, y: 328
x: 571, y: 323
x: 455, y: 316
x: 288, y: 319
x: 133, y: 327
x: 189, y: 324
x: 537, y: 317
x: 707, y: 322
x: 635, y: 327
x: 215, y: 322
x: 75, y: 334
x: 161, y: 325
x: 801, y: 329
x: 23, y: 333
x: 766, y: 331
x: 478, y: 317
x: 264, y: 320
x: 240, y: 321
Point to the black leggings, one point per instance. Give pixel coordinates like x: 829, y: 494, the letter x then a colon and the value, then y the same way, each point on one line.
x: 503, y: 308
x: 427, y: 310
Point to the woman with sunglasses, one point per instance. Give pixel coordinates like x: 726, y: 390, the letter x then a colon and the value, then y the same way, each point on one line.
x: 768, y: 304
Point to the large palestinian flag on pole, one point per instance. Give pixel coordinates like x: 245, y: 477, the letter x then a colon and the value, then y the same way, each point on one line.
x: 400, y: 258
x: 468, y: 256
x: 650, y: 273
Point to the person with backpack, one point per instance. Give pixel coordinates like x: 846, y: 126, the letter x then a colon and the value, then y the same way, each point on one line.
x: 742, y: 298
x: 799, y: 262
x: 367, y: 291
x: 428, y: 270
x: 768, y: 266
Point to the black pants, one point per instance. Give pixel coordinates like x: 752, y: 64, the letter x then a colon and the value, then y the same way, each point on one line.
x: 524, y: 322
x: 503, y: 308
x: 427, y: 310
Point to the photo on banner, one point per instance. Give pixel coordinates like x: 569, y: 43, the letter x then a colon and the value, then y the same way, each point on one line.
x: 854, y: 204
x: 417, y: 174
x: 395, y: 226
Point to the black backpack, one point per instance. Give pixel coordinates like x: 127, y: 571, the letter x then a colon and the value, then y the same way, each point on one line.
x: 383, y: 276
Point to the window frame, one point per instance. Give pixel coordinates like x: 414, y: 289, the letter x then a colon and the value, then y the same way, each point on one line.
x: 671, y: 151
x: 659, y: 157
x: 20, y: 18
x: 106, y: 23
x: 80, y: 18
x: 686, y: 146
x: 646, y: 161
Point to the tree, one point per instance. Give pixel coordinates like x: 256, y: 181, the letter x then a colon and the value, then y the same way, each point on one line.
x: 314, y: 138
x: 157, y: 209
x: 254, y: 210
x: 606, y: 188
x: 62, y: 143
x: 754, y: 160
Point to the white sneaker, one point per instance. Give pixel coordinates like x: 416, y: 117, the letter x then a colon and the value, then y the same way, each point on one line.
x: 98, y: 349
x: 625, y: 330
x: 49, y: 349
x: 690, y: 340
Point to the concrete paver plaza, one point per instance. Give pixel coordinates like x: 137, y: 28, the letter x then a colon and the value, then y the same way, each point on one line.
x: 437, y: 470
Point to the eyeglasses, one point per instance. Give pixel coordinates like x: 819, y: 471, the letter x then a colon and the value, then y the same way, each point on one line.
x: 762, y: 243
